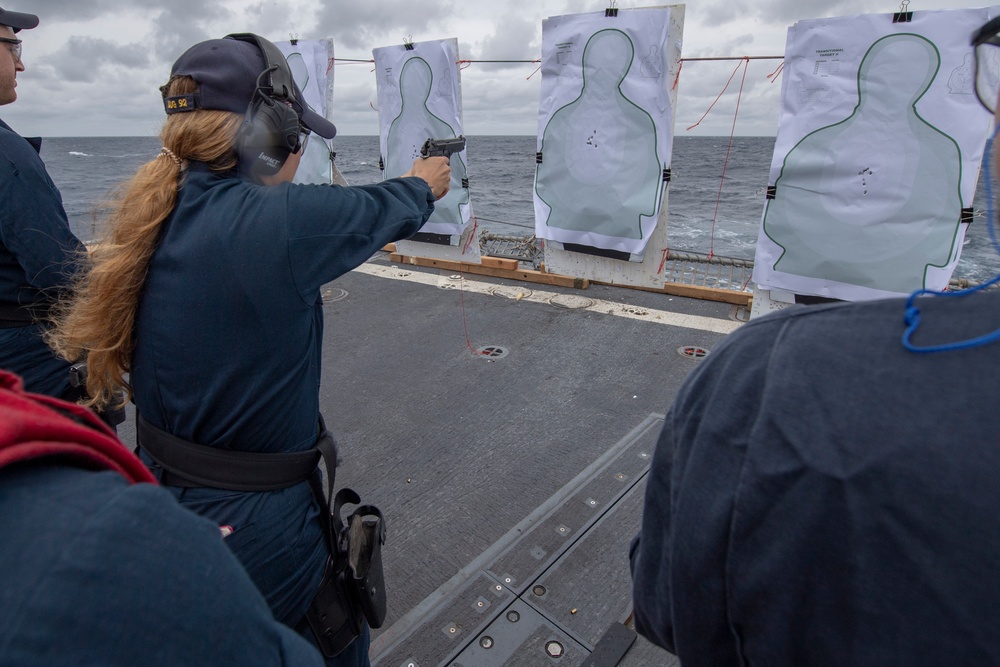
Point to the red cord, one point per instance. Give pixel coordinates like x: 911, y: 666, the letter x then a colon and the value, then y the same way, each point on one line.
x: 742, y: 62
x: 663, y: 262
x: 465, y: 321
x: 475, y: 225
x: 746, y: 63
x: 773, y: 76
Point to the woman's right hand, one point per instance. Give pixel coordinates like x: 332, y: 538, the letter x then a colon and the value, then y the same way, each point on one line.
x: 436, y: 171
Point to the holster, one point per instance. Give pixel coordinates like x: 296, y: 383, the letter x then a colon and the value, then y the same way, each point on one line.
x: 365, y: 537
x: 353, y: 583
x: 332, y: 615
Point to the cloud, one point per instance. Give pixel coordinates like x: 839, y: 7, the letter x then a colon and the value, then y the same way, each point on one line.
x: 364, y: 25
x: 718, y: 13
x: 514, y: 37
x: 49, y: 11
x: 84, y: 59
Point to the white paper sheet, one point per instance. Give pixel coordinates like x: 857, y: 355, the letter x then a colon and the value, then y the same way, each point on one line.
x: 879, y: 146
x: 309, y: 61
x: 604, y: 127
x: 419, y: 97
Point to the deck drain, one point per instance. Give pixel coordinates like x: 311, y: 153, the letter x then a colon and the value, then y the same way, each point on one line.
x: 631, y: 310
x: 692, y: 352
x: 511, y: 292
x: 334, y: 294
x: 571, y: 301
x: 492, y: 351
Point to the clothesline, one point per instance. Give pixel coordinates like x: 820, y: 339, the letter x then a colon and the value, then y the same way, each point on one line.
x: 537, y: 60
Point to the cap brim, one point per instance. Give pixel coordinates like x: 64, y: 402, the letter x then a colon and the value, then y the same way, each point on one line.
x: 17, y: 20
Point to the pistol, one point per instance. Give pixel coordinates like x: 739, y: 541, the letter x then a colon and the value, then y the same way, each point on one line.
x: 442, y: 147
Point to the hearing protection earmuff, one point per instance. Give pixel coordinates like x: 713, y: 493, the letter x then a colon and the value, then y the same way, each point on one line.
x: 270, y: 130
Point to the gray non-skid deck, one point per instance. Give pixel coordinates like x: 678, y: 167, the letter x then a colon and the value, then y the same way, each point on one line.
x: 515, y: 471
x: 547, y: 590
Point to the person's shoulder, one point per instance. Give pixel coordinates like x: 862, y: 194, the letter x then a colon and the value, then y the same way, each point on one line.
x: 14, y: 147
x: 795, y: 333
x: 836, y: 319
x: 117, y: 568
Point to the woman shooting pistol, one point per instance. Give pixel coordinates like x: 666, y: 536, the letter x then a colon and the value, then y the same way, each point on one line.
x: 207, y: 294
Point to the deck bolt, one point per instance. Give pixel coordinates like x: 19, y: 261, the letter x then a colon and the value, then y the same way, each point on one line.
x: 486, y: 642
x: 554, y: 649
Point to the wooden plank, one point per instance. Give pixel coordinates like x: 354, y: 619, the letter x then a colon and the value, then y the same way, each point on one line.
x: 525, y: 275
x: 695, y: 292
x: 544, y: 278
x: 500, y: 263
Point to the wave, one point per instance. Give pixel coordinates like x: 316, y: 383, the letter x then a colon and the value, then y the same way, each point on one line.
x: 113, y: 157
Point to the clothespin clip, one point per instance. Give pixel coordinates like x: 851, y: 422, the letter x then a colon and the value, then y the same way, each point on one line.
x: 611, y: 11
x: 293, y: 38
x: 408, y: 42
x: 903, y: 16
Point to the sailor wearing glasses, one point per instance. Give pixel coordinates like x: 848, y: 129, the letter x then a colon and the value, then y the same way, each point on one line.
x: 38, y: 252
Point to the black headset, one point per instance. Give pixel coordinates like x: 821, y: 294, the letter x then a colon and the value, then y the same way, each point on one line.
x: 270, y: 130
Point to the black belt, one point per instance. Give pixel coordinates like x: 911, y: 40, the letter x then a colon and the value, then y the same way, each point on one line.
x: 187, y: 464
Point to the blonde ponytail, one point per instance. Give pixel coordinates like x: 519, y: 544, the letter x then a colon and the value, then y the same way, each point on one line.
x: 98, y: 321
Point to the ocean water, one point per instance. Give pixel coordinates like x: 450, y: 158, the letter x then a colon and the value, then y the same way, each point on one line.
x: 706, y: 213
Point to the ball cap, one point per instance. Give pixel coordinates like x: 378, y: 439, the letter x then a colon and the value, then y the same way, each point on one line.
x: 226, y: 71
x: 17, y: 20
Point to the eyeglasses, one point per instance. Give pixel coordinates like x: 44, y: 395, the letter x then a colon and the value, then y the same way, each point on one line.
x: 987, y: 64
x: 15, y: 47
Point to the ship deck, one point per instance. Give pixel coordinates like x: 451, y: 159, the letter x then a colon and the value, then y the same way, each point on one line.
x: 511, y: 483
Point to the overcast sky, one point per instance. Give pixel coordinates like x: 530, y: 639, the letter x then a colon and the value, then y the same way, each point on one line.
x: 94, y: 66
